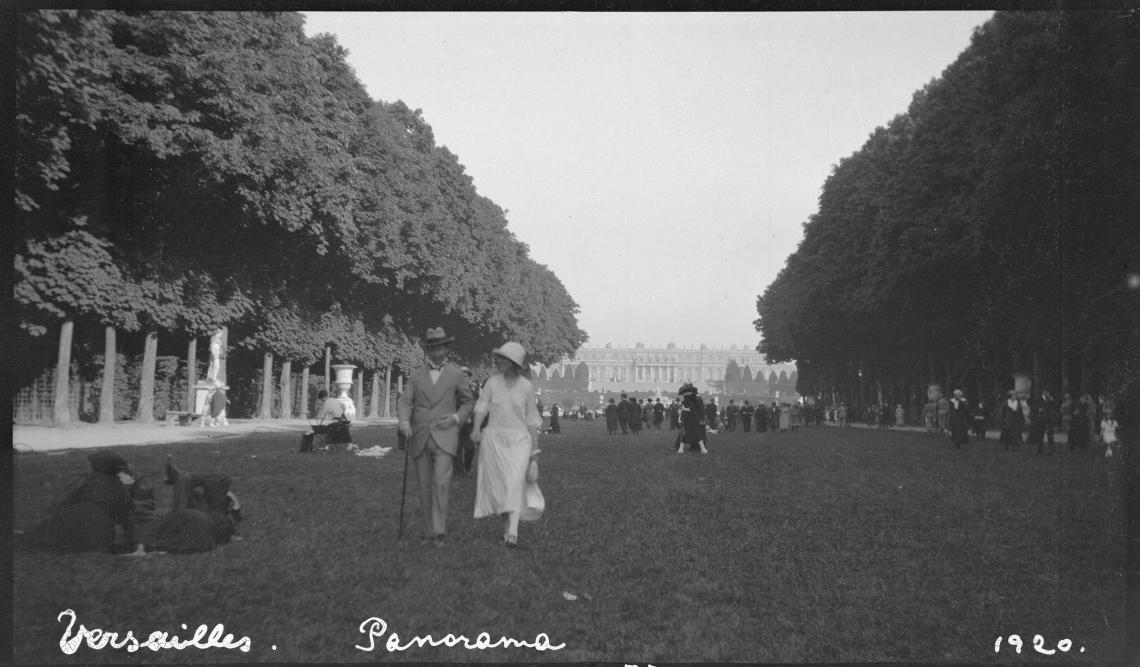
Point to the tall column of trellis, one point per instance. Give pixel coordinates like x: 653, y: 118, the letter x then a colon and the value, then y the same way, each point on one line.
x: 33, y: 403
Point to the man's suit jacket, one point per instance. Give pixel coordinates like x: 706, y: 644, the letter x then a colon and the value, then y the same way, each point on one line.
x: 423, y: 402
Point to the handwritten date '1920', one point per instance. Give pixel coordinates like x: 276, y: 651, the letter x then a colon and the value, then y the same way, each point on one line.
x: 1063, y: 646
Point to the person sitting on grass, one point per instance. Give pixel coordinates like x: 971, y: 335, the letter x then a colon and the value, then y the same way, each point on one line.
x: 95, y: 508
x: 205, y: 514
x: 339, y: 416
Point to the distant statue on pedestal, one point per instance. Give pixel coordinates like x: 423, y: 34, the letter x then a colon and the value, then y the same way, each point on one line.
x: 215, y: 356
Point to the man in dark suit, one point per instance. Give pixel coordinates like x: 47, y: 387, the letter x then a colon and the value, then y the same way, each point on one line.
x: 746, y: 412
x: 611, y: 413
x: 435, y: 402
x: 623, y: 414
x: 635, y: 416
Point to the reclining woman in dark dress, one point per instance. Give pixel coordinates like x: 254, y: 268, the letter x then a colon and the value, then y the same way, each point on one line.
x: 205, y: 513
x: 93, y: 511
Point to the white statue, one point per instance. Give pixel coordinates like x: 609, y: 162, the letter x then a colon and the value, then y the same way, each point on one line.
x: 215, y: 356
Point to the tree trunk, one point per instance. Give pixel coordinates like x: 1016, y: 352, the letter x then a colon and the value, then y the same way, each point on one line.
x: 359, y: 398
x: 266, y: 387
x: 305, y: 392
x: 286, y: 390
x: 145, y: 413
x: 388, y: 390
x: 191, y: 373
x: 107, y: 391
x: 60, y: 412
x: 1064, y: 375
x: 328, y: 364
x: 222, y: 358
x: 1036, y: 373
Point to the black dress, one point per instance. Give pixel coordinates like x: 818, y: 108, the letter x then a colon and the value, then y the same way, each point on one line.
x: 692, y: 421
x: 1012, y: 423
x: 959, y: 422
x: 95, y: 507
x: 87, y: 518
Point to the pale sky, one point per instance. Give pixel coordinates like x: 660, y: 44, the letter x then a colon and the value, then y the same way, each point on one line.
x: 661, y: 165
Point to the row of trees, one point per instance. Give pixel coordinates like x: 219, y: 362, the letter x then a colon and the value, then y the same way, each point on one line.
x: 177, y: 172
x: 990, y: 229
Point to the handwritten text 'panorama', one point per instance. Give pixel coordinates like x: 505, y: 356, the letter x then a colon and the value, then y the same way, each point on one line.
x: 376, y: 627
x: 98, y: 639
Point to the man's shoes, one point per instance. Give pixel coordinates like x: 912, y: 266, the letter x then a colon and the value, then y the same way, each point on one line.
x: 437, y: 541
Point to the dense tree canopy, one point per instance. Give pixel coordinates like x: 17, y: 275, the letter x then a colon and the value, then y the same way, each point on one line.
x: 988, y: 230
x: 180, y: 171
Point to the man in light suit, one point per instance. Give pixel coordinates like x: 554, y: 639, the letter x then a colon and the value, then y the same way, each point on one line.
x: 435, y: 402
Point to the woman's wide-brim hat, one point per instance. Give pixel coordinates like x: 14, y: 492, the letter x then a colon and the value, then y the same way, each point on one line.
x: 513, y: 351
x: 436, y: 336
x: 687, y: 388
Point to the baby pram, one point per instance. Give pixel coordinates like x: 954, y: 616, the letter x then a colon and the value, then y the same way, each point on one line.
x: 330, y: 437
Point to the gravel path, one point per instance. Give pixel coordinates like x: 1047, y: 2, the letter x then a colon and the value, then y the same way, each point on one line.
x: 85, y: 436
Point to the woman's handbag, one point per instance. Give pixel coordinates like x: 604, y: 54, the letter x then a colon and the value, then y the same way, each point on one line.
x: 532, y: 468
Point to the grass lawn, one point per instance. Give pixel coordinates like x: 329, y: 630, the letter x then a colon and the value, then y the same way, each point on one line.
x: 825, y: 545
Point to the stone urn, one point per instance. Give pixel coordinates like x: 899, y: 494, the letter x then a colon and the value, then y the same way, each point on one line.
x: 1021, y: 385
x: 343, y: 383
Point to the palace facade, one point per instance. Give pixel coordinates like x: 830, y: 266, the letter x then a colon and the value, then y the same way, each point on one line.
x: 664, y: 369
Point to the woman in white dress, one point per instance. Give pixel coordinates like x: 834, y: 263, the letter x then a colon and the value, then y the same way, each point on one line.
x: 507, y: 444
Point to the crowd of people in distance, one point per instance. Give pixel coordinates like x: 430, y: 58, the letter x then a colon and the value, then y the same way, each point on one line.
x: 1031, y: 419
x: 694, y: 417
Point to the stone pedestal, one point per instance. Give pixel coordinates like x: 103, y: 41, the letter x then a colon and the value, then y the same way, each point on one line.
x: 201, y: 392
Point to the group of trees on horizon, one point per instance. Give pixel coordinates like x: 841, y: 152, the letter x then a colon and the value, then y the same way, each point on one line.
x: 990, y: 229
x: 179, y: 172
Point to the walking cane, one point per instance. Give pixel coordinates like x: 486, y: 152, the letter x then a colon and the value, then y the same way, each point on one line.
x: 404, y: 489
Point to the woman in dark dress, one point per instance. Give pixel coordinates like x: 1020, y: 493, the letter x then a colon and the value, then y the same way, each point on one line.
x: 692, y: 420
x: 959, y: 419
x: 760, y: 417
x: 1012, y: 421
x: 611, y: 418
x: 93, y: 511
x: 555, y: 426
